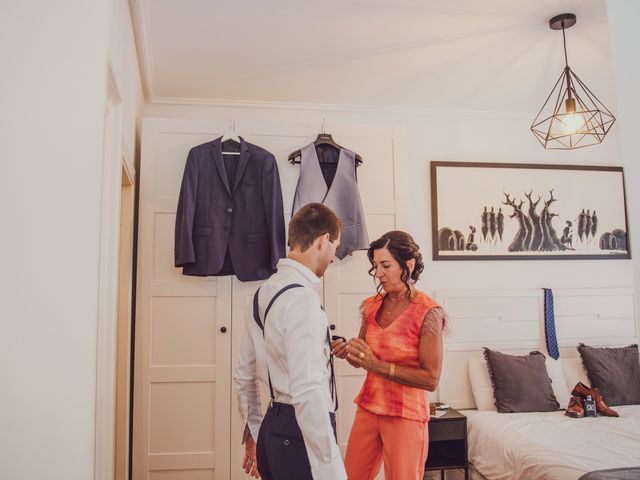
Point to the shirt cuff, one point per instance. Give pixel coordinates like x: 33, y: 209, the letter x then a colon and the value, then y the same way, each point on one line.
x: 254, y: 429
x: 246, y: 434
x: 330, y: 471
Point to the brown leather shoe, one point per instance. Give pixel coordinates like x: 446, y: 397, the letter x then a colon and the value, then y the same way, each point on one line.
x: 574, y: 409
x: 581, y: 390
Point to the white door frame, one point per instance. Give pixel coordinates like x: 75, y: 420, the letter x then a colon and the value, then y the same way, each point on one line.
x: 105, y: 408
x: 125, y: 301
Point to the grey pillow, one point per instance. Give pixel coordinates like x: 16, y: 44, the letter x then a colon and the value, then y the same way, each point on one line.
x: 520, y: 383
x: 613, y: 371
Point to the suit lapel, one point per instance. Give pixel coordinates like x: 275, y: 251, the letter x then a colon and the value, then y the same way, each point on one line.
x: 242, y: 163
x: 216, y: 147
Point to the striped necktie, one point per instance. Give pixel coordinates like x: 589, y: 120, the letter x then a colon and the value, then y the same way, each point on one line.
x: 550, y: 325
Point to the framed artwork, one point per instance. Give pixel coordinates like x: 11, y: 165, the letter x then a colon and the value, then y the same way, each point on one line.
x: 505, y: 211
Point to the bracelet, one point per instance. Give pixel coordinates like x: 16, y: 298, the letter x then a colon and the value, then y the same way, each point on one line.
x: 392, y: 371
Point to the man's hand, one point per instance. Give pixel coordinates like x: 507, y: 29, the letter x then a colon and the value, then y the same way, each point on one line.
x: 249, y: 463
x: 339, y: 348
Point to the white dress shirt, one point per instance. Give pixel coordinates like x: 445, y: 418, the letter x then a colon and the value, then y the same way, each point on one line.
x: 297, y: 351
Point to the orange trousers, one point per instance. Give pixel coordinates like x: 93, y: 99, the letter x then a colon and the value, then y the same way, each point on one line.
x: 399, y: 443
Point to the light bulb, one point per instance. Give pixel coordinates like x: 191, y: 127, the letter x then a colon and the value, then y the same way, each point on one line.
x: 571, y: 122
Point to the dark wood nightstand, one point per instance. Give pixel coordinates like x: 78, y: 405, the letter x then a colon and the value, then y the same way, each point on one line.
x: 448, y: 443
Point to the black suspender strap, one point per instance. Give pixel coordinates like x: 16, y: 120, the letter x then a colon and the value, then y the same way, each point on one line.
x: 332, y: 386
x: 256, y: 317
x: 262, y: 324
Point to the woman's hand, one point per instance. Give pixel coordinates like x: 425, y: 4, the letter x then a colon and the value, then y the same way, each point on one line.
x: 361, y: 355
x: 249, y: 463
x: 340, y: 348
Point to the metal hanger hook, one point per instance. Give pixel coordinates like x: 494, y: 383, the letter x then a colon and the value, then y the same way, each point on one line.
x: 323, y: 125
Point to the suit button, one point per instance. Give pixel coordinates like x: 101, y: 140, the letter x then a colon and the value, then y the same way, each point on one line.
x: 226, y: 229
x: 229, y: 210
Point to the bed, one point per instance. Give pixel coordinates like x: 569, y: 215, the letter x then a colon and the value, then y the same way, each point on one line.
x: 545, y: 446
x: 549, y: 445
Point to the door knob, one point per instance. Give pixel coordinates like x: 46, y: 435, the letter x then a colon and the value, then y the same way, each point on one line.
x: 223, y: 329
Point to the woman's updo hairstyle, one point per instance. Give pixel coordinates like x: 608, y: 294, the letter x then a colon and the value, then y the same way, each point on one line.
x: 402, y: 248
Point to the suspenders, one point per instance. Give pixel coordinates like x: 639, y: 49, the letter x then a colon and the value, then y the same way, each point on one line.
x: 262, y: 325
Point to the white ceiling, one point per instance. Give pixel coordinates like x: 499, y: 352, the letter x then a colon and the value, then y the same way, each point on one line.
x: 472, y: 55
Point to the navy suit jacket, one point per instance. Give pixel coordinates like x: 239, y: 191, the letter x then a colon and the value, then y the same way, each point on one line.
x: 241, y: 223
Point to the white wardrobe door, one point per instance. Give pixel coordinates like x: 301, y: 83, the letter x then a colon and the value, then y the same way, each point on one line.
x: 281, y: 140
x: 183, y: 331
x: 347, y: 283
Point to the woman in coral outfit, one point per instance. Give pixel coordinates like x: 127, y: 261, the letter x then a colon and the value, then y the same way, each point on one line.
x: 400, y: 346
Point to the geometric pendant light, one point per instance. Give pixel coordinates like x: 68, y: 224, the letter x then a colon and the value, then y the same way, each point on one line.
x: 572, y: 116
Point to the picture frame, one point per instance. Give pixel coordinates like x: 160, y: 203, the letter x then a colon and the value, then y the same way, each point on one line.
x: 518, y: 211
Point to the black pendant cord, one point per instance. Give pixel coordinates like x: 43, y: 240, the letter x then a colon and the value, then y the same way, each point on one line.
x: 564, y: 40
x: 566, y: 63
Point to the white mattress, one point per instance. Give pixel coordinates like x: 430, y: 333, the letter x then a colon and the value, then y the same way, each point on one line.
x: 551, y: 446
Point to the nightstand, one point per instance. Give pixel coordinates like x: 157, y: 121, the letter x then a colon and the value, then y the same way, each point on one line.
x: 448, y: 443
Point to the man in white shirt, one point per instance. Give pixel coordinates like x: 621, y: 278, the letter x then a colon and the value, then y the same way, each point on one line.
x: 286, y: 345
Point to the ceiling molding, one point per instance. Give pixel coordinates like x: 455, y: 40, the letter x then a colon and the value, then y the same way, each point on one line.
x: 219, y: 102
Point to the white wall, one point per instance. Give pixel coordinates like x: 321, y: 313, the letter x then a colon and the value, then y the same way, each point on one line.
x: 463, y: 136
x: 625, y: 43
x: 52, y: 92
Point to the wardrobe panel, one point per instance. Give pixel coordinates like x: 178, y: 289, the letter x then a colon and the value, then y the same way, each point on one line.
x: 349, y: 385
x: 376, y: 175
x: 205, y: 474
x: 182, y: 331
x: 163, y: 269
x: 172, y: 148
x: 378, y: 224
x: 182, y: 417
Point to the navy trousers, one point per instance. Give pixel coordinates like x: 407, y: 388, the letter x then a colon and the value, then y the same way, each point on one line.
x: 280, y: 452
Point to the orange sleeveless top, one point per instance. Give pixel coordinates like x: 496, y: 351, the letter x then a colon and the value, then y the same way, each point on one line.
x: 398, y: 343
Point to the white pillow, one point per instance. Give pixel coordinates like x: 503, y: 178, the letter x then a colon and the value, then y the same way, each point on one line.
x: 574, y: 372
x: 481, y: 384
x: 558, y: 381
x: 483, y: 389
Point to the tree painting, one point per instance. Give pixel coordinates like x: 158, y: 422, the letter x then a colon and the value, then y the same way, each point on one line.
x: 527, y: 211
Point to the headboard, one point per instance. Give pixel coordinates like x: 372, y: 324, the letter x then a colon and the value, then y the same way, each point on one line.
x: 512, y: 321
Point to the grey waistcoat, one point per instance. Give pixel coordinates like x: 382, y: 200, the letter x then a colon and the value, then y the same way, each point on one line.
x: 342, y: 196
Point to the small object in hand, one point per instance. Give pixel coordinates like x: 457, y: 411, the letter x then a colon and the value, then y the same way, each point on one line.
x: 337, y: 337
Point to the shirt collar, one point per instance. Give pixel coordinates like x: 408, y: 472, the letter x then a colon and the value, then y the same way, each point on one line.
x: 311, y: 277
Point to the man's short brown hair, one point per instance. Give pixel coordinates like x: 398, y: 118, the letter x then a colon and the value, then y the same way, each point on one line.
x: 310, y: 222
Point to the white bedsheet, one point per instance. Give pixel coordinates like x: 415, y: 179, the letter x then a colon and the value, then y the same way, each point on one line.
x: 551, y: 446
